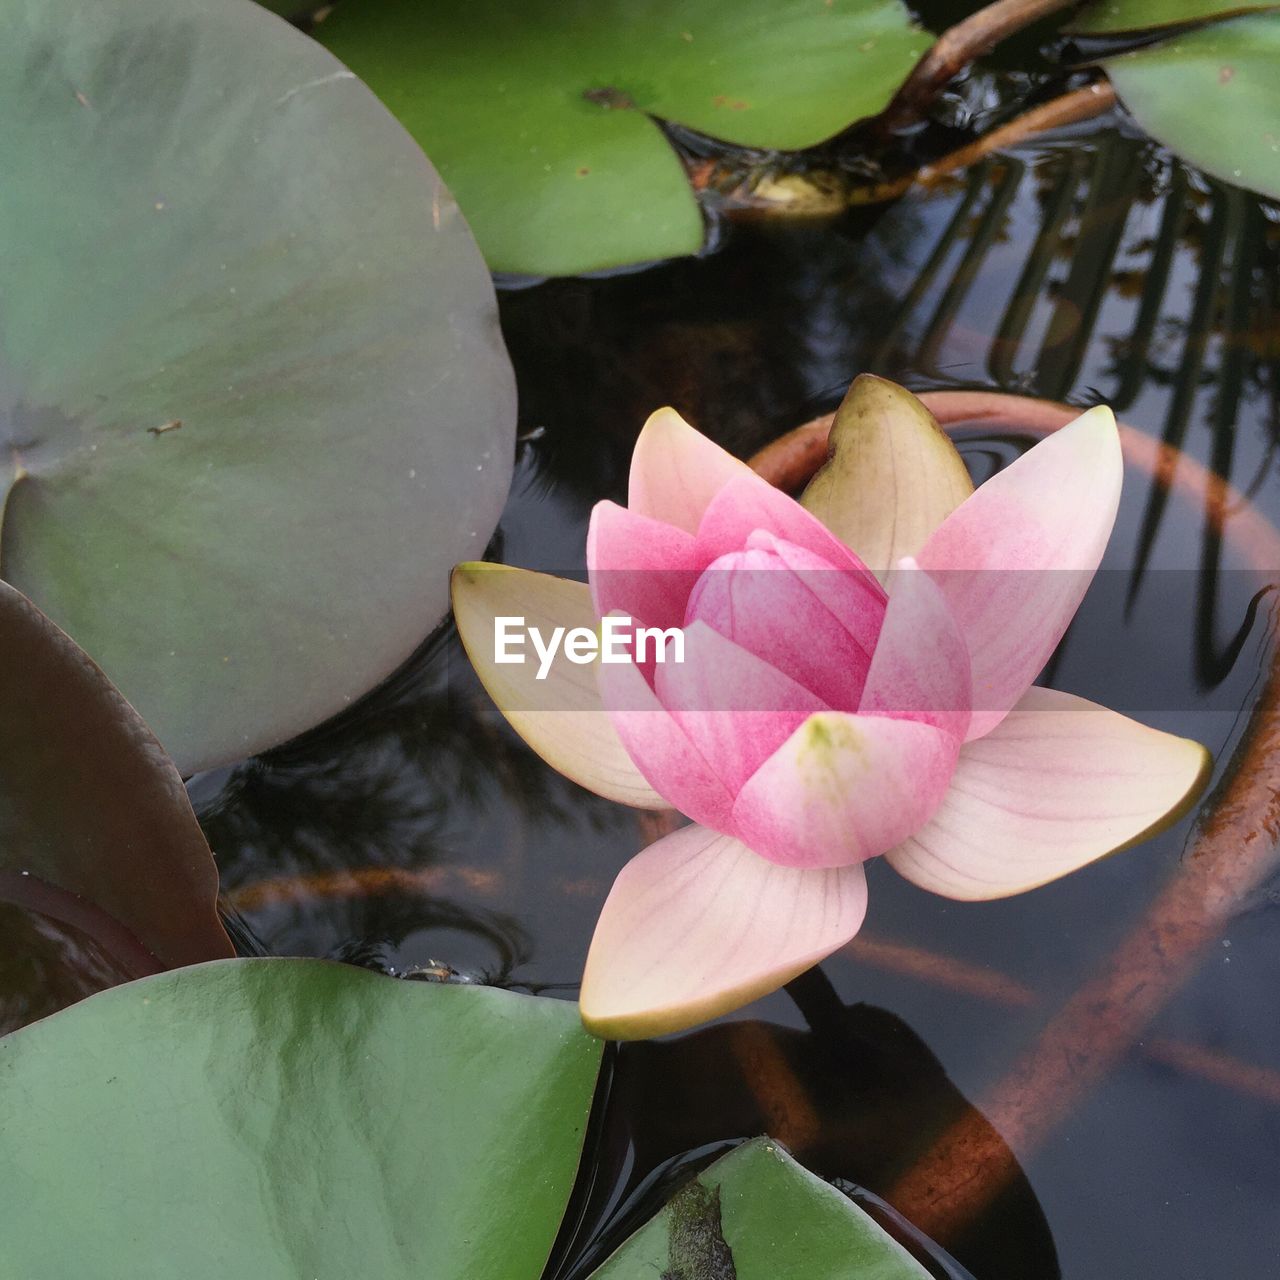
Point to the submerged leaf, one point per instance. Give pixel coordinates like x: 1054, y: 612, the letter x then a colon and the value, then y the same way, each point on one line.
x: 288, y: 1118
x: 250, y: 372
x: 540, y: 114
x: 96, y: 831
x: 757, y: 1215
x: 1213, y: 96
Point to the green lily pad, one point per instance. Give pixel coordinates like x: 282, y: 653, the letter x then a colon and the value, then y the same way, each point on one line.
x: 98, y: 844
x: 280, y: 1119
x: 757, y: 1215
x: 253, y: 399
x: 539, y: 114
x: 1213, y: 96
x: 1110, y: 16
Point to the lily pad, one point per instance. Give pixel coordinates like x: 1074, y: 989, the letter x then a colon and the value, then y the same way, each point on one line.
x: 253, y: 398
x: 756, y: 1215
x: 1110, y: 16
x: 540, y: 115
x: 288, y: 1118
x: 1213, y: 96
x: 98, y: 843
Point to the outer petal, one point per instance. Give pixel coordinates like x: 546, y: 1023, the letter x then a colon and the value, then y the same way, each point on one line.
x: 1015, y: 560
x: 734, y: 707
x: 920, y: 669
x: 676, y: 471
x: 662, y: 751
x: 748, y: 503
x: 791, y: 609
x: 698, y: 925
x: 1059, y: 784
x: 892, y: 475
x: 844, y: 788
x: 562, y: 718
x: 639, y: 566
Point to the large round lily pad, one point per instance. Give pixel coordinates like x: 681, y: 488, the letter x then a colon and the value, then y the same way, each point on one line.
x: 1213, y: 96
x: 290, y: 1119
x: 253, y: 399
x: 539, y: 113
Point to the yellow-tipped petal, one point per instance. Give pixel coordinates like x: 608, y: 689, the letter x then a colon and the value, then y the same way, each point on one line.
x: 1059, y: 783
x: 561, y: 717
x: 676, y: 471
x: 698, y: 925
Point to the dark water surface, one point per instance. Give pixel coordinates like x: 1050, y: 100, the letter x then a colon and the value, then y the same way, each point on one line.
x: 418, y: 829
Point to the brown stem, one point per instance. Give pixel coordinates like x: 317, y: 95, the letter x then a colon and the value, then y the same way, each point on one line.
x: 1080, y: 104
x: 760, y: 192
x: 955, y: 49
x: 1236, y: 850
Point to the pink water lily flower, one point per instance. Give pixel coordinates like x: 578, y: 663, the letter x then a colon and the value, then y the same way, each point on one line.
x: 851, y: 686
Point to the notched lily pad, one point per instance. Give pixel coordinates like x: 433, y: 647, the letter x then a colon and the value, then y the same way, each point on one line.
x: 253, y: 398
x: 277, y: 1119
x: 539, y: 114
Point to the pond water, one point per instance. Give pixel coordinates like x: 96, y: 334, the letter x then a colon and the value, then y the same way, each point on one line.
x: 418, y: 830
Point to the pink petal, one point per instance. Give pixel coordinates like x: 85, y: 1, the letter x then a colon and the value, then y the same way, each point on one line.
x: 734, y: 707
x: 790, y: 608
x: 639, y: 566
x: 1015, y: 559
x: 920, y: 670
x: 748, y: 503
x: 660, y: 748
x: 697, y: 925
x: 562, y: 717
x: 1060, y: 783
x: 844, y: 788
x: 676, y: 471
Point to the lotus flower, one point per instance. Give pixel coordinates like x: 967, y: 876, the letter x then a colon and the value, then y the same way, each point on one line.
x: 856, y: 682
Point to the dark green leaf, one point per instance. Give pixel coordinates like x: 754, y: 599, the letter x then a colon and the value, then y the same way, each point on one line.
x: 96, y: 832
x: 1213, y: 96
x: 288, y: 1119
x: 538, y: 114
x: 757, y: 1215
x: 253, y: 400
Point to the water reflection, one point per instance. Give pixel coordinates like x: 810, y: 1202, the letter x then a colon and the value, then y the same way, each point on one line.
x: 418, y: 828
x: 46, y: 965
x: 855, y: 1096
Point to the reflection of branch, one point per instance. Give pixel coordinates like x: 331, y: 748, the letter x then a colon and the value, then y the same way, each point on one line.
x: 1235, y: 851
x: 994, y: 987
x: 955, y: 49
